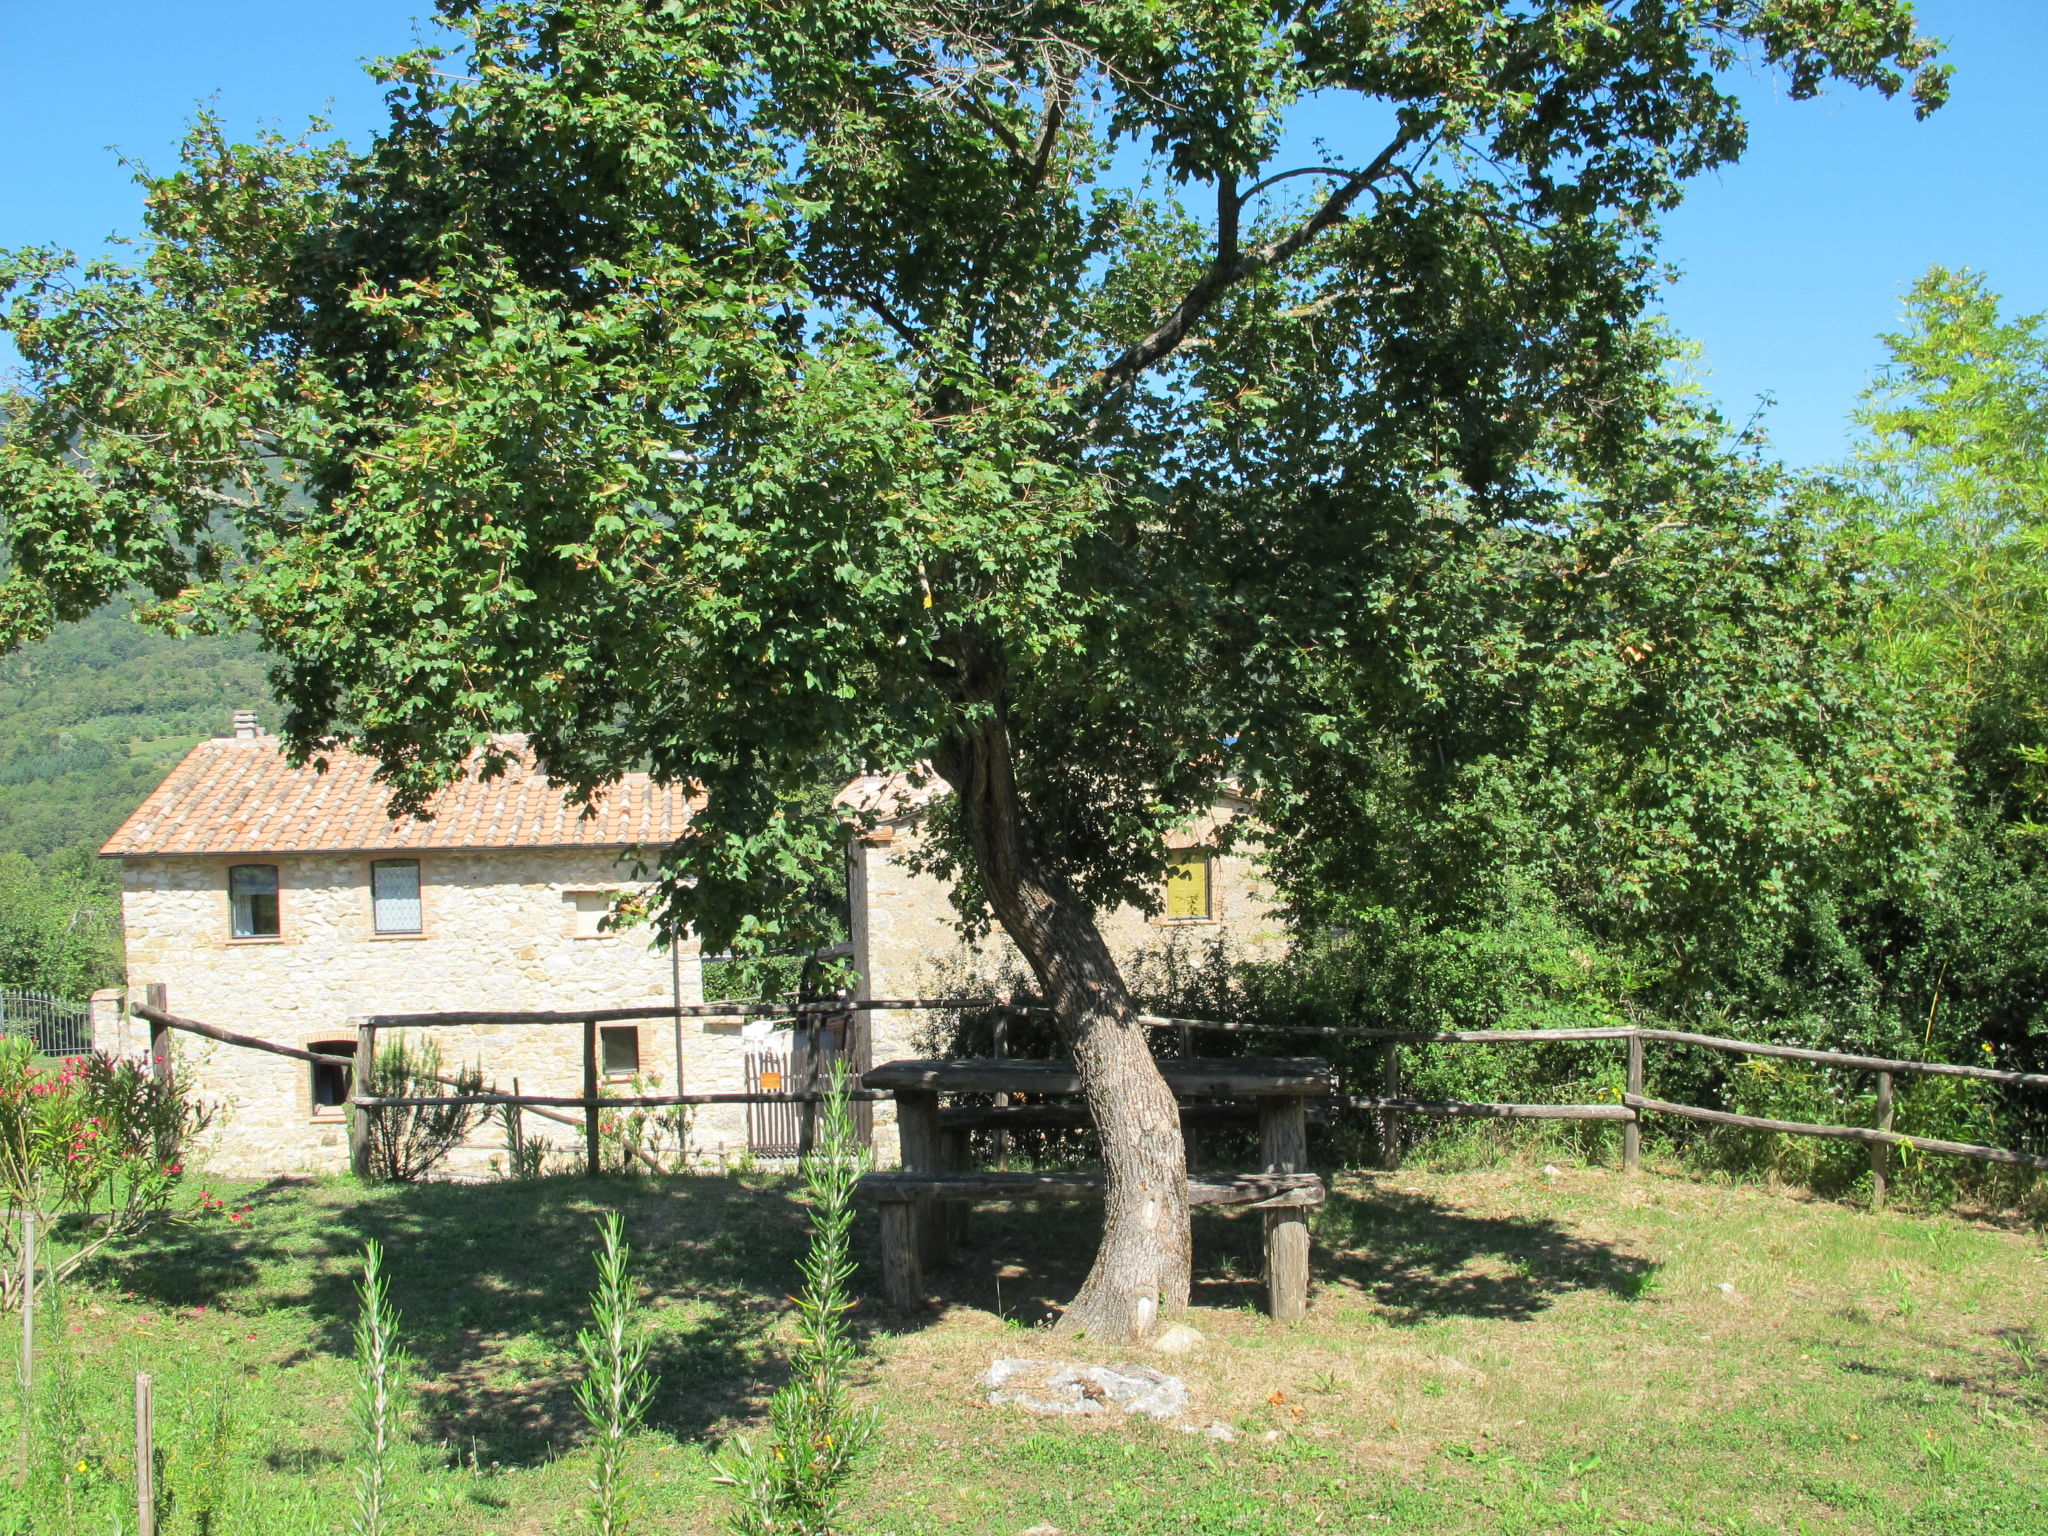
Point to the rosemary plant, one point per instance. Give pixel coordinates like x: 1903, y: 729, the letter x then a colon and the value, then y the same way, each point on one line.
x: 616, y: 1383
x: 380, y: 1363
x: 793, y: 1483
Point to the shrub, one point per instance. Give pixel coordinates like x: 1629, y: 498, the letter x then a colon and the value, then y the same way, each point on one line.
x: 792, y: 1484
x: 654, y: 1137
x: 380, y: 1368
x: 409, y: 1142
x: 616, y: 1384
x: 89, y: 1143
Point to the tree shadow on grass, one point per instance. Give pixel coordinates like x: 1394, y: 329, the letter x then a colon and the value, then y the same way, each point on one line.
x: 492, y: 1283
x: 1421, y: 1259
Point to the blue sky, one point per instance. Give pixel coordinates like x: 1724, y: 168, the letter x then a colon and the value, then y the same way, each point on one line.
x: 1791, y: 262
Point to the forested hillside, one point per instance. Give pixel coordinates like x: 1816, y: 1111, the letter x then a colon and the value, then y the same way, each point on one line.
x: 93, y: 717
x: 90, y: 721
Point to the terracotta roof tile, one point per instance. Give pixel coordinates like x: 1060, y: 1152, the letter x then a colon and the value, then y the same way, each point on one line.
x: 240, y: 795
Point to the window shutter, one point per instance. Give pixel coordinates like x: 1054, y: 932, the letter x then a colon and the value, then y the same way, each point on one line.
x: 1187, y: 886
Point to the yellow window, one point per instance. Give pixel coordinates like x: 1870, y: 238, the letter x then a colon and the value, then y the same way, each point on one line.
x: 1187, y: 886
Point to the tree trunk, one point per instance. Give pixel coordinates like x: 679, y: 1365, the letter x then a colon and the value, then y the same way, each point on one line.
x: 1142, y: 1267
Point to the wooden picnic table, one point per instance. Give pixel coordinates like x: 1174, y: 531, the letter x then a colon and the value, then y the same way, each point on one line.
x: 918, y: 1203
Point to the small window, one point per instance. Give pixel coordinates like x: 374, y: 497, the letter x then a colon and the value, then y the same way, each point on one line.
x: 331, y: 1081
x: 620, y: 1049
x: 1187, y: 886
x: 395, y: 895
x: 592, y: 907
x: 252, y: 900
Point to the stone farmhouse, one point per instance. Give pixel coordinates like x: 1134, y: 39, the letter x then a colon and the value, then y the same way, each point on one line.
x: 285, y: 902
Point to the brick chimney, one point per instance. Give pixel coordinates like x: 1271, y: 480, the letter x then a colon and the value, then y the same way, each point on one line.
x: 246, y: 728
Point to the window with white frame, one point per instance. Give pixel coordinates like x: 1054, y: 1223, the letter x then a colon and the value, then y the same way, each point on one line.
x: 395, y: 895
x: 252, y: 901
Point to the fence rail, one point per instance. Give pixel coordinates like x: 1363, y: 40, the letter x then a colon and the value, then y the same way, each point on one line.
x: 1390, y: 1105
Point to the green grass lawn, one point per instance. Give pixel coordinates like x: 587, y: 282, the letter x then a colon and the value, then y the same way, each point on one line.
x: 1490, y: 1351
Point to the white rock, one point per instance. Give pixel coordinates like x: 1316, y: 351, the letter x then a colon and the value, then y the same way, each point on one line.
x: 1180, y: 1339
x: 1551, y: 1170
x: 1061, y: 1387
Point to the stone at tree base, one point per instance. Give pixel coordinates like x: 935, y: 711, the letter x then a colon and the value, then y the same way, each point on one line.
x: 1180, y: 1339
x: 1062, y: 1387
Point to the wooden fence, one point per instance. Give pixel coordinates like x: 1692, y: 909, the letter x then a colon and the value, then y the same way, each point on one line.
x: 1389, y: 1104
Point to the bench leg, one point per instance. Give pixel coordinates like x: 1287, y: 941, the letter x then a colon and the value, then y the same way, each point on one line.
x: 1283, y: 1145
x: 1287, y: 1264
x: 917, y: 1130
x: 953, y: 1154
x: 902, y: 1275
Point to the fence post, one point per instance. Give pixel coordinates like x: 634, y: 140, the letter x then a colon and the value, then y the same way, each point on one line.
x: 1190, y: 1138
x: 1880, y: 1153
x: 145, y: 1456
x: 1390, y: 1118
x: 27, y: 1372
x: 592, y: 1160
x: 361, y: 1082
x: 1002, y: 1050
x: 1283, y: 1148
x: 1632, y: 1131
x: 515, y: 1133
x: 158, y: 996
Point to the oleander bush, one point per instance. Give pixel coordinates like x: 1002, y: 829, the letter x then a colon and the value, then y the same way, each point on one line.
x: 92, y: 1147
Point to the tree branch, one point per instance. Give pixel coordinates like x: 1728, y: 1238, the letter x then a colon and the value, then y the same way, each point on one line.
x: 1224, y: 274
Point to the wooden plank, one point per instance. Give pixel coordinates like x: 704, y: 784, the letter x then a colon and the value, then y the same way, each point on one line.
x: 1250, y: 1189
x: 1854, y: 1063
x: 592, y: 1153
x: 1459, y: 1109
x: 1283, y: 1146
x: 712, y: 1010
x: 1406, y: 1036
x: 168, y: 1021
x: 1880, y: 1153
x: 1206, y: 1078
x: 1050, y: 1117
x: 540, y: 1102
x: 1632, y: 1132
x: 1843, y: 1133
x: 902, y: 1277
x: 453, y: 1016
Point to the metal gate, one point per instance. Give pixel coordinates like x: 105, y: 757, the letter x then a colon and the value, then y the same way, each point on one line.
x: 58, y: 1026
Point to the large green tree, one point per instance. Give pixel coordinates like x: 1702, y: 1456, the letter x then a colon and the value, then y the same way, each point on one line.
x: 1010, y: 389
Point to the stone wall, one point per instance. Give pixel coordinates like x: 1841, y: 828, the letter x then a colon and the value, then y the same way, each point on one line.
x: 906, y: 943
x: 501, y: 929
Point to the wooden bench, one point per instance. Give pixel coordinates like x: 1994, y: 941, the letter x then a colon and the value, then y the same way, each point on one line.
x: 900, y: 1195
x: 921, y: 1204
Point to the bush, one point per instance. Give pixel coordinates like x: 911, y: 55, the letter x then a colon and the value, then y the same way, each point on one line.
x: 408, y: 1142
x: 89, y: 1143
x: 792, y: 1483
